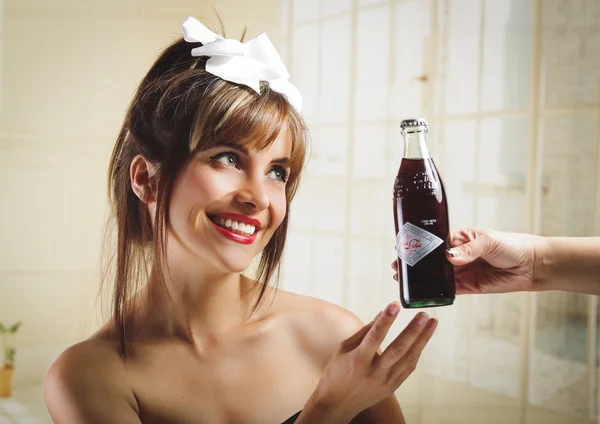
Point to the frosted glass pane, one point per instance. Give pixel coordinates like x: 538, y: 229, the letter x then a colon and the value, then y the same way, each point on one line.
x: 503, y: 152
x: 335, y: 78
x: 365, y: 278
x: 371, y: 208
x: 328, y: 268
x: 370, y: 2
x: 39, y: 189
x: 584, y: 13
x: 369, y: 151
x: 569, y: 174
x: 507, y: 55
x: 458, y: 171
x: 412, y: 50
x: 305, y: 67
x: 329, y: 151
x: 297, y: 263
x: 372, y: 66
x: 330, y: 7
x: 571, y: 42
x: 395, y: 150
x: 495, y: 352
x: 559, y: 375
x: 58, y: 305
x: 329, y: 203
x: 451, y: 337
x: 506, y: 212
x: 59, y: 74
x: 302, y: 210
x: 305, y: 9
x: 462, y: 50
x: 320, y: 204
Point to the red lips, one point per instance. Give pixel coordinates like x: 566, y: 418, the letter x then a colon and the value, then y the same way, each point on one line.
x: 227, y: 232
x: 239, y: 218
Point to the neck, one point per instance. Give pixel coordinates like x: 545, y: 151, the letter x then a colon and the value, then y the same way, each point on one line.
x: 415, y: 145
x: 198, y: 307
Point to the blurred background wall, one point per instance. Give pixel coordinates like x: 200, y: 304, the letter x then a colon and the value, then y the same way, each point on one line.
x: 511, y: 89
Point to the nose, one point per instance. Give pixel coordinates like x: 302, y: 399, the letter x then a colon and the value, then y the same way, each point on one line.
x: 253, y: 194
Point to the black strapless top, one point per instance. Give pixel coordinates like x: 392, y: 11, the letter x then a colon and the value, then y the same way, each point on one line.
x: 293, y: 419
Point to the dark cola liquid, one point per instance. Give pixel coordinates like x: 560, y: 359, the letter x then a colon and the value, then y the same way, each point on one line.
x: 425, y: 275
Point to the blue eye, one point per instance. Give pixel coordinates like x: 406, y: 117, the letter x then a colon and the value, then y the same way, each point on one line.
x: 280, y: 174
x: 227, y: 159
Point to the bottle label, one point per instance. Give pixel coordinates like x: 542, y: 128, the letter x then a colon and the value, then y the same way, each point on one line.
x: 414, y: 243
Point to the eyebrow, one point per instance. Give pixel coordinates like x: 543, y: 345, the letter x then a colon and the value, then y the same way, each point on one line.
x: 234, y: 146
x: 281, y: 161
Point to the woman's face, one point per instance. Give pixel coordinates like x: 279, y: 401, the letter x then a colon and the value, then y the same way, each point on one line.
x: 228, y: 202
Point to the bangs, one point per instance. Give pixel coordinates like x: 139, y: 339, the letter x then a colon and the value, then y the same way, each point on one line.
x: 237, y: 115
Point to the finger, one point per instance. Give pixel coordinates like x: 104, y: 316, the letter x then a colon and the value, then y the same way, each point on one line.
x: 395, y: 276
x: 404, y: 341
x: 462, y: 254
x: 461, y: 289
x: 379, y: 330
x: 463, y: 235
x: 458, y: 238
x: 395, y: 265
x: 408, y: 363
x: 354, y: 340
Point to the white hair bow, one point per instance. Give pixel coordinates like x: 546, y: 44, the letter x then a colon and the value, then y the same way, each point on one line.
x: 242, y: 63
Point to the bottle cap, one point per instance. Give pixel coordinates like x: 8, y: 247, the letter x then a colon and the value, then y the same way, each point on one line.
x: 415, y: 122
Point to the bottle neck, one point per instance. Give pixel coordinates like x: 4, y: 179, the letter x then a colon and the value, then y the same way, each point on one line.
x: 415, y: 145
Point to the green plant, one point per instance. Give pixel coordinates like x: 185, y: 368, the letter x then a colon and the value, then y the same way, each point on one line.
x: 9, y: 352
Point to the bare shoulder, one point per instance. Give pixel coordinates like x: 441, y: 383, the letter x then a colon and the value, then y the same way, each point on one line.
x: 319, y: 325
x: 90, y: 358
x: 87, y: 380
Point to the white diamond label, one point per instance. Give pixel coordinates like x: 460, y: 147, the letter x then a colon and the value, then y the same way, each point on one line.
x: 414, y: 243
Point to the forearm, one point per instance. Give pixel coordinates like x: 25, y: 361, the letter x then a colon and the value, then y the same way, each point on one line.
x: 313, y: 412
x: 387, y: 411
x: 568, y: 264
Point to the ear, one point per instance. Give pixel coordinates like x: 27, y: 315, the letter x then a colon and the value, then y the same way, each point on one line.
x: 141, y: 172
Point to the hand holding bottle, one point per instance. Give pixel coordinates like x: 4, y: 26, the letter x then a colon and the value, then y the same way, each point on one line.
x: 487, y: 261
x: 358, y: 376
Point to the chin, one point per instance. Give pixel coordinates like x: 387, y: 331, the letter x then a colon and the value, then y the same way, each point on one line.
x: 235, y: 266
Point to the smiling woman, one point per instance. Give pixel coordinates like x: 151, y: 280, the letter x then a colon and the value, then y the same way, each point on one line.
x: 201, y: 179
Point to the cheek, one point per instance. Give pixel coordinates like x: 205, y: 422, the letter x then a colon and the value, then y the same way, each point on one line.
x: 279, y: 208
x: 203, y: 186
x: 193, y: 190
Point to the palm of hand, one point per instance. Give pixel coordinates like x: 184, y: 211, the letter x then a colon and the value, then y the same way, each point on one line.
x: 505, y: 265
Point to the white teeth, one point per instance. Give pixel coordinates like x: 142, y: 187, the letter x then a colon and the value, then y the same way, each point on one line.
x: 240, y: 227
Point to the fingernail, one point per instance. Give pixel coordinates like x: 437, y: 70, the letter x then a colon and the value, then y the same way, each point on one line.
x: 433, y: 323
x: 392, y: 308
x: 454, y: 253
x: 422, y: 318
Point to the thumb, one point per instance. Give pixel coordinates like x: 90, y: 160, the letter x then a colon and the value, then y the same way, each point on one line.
x: 468, y: 252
